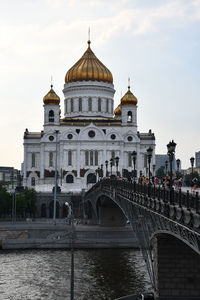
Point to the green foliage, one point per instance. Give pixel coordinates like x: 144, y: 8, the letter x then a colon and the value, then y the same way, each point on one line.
x: 5, y: 202
x: 26, y: 203
x: 160, y: 173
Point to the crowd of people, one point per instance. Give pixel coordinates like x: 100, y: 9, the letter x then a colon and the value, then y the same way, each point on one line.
x: 164, y: 182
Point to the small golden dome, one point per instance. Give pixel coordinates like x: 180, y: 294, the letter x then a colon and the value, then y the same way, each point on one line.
x: 118, y: 110
x: 129, y: 98
x: 87, y: 68
x: 51, y: 98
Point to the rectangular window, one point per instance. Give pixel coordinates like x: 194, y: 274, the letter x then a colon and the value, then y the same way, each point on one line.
x: 50, y: 159
x: 145, y: 161
x: 96, y: 158
x: 66, y: 106
x: 129, y: 159
x: 107, y: 105
x: 33, y: 160
x: 80, y: 104
x: 91, y: 158
x: 90, y: 104
x: 99, y: 104
x: 69, y: 158
x: 86, y: 158
x: 113, y: 157
x: 72, y: 105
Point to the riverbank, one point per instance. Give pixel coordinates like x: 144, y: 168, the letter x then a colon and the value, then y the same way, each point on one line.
x: 46, y: 235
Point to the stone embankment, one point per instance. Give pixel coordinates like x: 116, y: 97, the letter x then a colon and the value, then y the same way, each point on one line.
x: 47, y: 235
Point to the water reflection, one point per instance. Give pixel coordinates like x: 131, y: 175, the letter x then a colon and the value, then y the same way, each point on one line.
x: 45, y: 274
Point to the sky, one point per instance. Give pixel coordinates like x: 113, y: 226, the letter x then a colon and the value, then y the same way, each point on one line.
x: 154, y: 42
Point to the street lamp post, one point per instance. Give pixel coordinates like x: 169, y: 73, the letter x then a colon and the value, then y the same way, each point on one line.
x: 111, y: 165
x: 101, y: 171
x: 178, y: 166
x: 134, y: 156
x: 117, y: 164
x: 171, y: 146
x: 71, y: 213
x: 192, y: 164
x: 166, y: 167
x: 106, y: 163
x: 149, y: 156
x: 55, y: 179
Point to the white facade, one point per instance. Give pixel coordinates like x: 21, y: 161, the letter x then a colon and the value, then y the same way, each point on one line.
x: 89, y: 134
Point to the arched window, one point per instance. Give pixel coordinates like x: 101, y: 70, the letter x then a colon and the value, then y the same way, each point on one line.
x: 33, y: 181
x: 107, y: 105
x: 69, y: 179
x: 50, y: 159
x: 72, y: 105
x: 33, y: 160
x: 90, y: 104
x: 129, y: 116
x: 80, y: 104
x: 99, y: 104
x: 51, y: 116
x: 91, y: 178
x: 69, y: 158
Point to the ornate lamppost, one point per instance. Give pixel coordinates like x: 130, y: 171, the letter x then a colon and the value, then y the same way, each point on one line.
x: 111, y: 165
x: 171, y: 146
x: 117, y: 164
x: 192, y: 164
x: 101, y: 171
x: 166, y: 167
x: 106, y: 163
x: 149, y: 156
x: 134, y: 156
x: 178, y: 166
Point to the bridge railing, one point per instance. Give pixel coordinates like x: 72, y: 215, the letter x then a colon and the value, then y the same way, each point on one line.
x: 173, y: 197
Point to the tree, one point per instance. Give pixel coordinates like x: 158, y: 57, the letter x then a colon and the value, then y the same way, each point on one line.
x: 31, y: 201
x: 5, y: 202
x: 160, y: 173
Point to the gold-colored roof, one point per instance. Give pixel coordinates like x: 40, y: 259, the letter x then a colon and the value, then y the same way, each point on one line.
x: 118, y: 110
x: 51, y: 97
x: 89, y: 67
x: 129, y: 98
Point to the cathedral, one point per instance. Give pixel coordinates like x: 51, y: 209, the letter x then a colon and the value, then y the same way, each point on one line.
x: 92, y: 140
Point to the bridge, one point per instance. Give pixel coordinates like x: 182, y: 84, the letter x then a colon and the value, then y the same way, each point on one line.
x: 167, y: 225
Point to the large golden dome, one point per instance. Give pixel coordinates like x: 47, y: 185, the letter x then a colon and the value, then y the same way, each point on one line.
x: 129, y: 98
x: 89, y: 67
x: 51, y: 97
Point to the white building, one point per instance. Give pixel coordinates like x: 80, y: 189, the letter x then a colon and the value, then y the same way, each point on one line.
x: 89, y: 134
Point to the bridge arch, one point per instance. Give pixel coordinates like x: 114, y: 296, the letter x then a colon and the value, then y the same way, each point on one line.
x: 109, y: 213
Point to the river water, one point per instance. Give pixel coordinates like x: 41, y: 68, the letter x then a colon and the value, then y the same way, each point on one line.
x: 45, y: 274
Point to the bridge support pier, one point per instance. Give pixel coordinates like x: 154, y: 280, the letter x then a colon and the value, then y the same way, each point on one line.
x: 177, y: 269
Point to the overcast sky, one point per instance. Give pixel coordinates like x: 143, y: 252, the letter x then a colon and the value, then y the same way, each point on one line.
x: 154, y: 42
